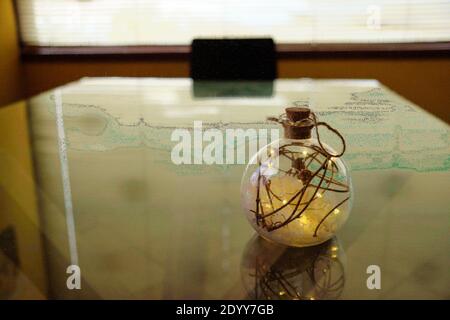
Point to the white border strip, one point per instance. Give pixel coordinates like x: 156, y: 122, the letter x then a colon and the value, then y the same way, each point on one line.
x: 70, y: 222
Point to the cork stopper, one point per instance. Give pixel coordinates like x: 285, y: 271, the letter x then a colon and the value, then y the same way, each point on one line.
x: 297, y: 113
x: 294, y: 129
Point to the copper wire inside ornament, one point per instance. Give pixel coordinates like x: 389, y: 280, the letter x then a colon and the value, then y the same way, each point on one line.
x: 303, y: 199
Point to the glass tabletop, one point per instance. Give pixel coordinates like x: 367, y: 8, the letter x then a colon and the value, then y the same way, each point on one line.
x: 87, y: 179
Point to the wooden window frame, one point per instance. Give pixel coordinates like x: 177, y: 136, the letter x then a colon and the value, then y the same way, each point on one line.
x: 283, y: 50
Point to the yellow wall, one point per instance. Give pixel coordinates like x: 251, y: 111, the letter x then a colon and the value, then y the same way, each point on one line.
x: 10, y: 69
x: 18, y: 199
x: 425, y: 81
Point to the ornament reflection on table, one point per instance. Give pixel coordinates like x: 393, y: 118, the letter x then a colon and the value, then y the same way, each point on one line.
x: 272, y: 271
x: 296, y: 191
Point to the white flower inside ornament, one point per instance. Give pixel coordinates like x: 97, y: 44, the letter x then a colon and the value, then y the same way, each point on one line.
x: 297, y: 191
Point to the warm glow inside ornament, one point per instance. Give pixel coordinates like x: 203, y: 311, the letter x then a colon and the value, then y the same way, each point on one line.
x: 296, y: 191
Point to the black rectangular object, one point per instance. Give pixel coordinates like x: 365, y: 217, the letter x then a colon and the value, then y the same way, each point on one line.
x: 233, y: 59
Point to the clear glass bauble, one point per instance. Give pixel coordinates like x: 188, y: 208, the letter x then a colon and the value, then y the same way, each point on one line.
x: 294, y: 193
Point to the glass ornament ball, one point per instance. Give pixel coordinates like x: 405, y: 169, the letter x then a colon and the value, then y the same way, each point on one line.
x: 294, y: 193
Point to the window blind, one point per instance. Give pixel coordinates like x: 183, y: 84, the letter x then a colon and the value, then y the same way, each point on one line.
x: 166, y: 22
